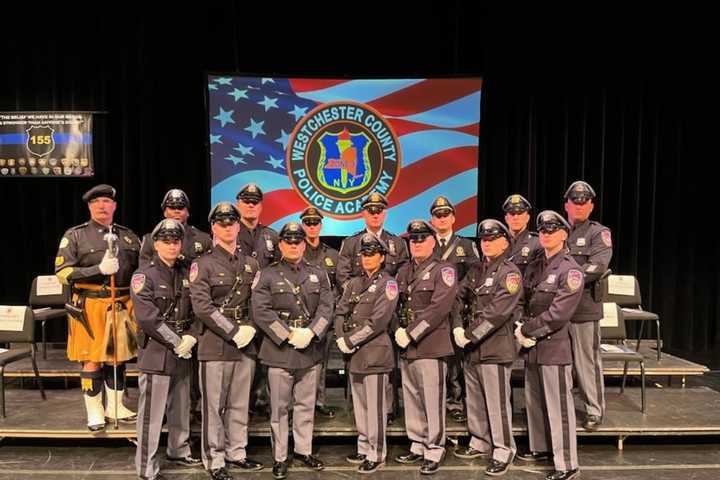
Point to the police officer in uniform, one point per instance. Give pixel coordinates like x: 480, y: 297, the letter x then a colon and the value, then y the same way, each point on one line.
x: 553, y: 285
x: 362, y: 322
x: 350, y: 263
x: 320, y: 254
x: 260, y: 242
x: 524, y: 244
x: 292, y: 303
x: 86, y: 262
x: 374, y: 213
x: 590, y: 245
x: 463, y: 253
x: 492, y: 289
x: 220, y: 286
x: 176, y: 205
x: 428, y: 287
x: 161, y: 297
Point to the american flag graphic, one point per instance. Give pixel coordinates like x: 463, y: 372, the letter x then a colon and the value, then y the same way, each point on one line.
x: 436, y: 122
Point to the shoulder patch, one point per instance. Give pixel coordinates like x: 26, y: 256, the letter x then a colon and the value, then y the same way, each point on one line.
x: 391, y: 289
x: 448, y: 276
x: 329, y: 262
x: 606, y: 238
x: 255, y: 280
x: 59, y: 260
x: 512, y: 282
x: 64, y: 242
x: 194, y: 270
x: 138, y: 282
x: 574, y: 279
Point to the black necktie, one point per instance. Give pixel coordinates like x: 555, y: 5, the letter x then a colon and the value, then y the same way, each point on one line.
x: 442, y: 242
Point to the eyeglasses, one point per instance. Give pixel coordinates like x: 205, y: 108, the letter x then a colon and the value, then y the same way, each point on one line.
x: 311, y: 222
x: 293, y: 241
x: 442, y: 213
x: 250, y: 201
x: 374, y: 210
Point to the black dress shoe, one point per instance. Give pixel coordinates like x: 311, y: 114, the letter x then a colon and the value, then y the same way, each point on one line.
x: 566, y: 475
x: 408, y: 458
x: 369, y: 467
x: 310, y: 461
x: 325, y: 411
x: 220, y: 474
x: 429, y: 467
x: 188, y: 461
x: 96, y: 428
x: 458, y: 416
x: 468, y: 452
x: 245, y: 464
x: 357, y: 458
x: 279, y: 470
x: 534, y: 456
x: 496, y: 468
x: 592, y: 423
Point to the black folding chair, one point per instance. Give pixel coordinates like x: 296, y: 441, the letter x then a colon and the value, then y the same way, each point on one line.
x: 52, y: 307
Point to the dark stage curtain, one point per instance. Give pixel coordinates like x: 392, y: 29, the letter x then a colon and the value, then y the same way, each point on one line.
x: 619, y: 103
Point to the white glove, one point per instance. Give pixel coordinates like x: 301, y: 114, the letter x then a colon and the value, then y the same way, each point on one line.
x: 402, y: 338
x: 460, y: 339
x: 184, y: 349
x: 301, y: 337
x: 109, y: 265
x: 522, y: 339
x: 343, y: 346
x: 244, y: 335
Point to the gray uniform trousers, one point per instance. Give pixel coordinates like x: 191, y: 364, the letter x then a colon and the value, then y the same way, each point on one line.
x: 551, y: 413
x: 225, y: 388
x: 489, y: 409
x: 369, y: 405
x: 588, y: 366
x: 160, y: 395
x: 300, y: 387
x: 423, y: 382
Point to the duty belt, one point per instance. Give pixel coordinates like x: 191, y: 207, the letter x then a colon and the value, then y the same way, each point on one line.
x: 298, y: 322
x: 102, y: 293
x: 236, y: 313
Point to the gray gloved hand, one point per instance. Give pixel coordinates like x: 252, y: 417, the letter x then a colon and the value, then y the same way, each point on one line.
x: 301, y: 337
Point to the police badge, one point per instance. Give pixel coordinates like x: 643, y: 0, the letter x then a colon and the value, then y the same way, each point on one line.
x: 391, y: 247
x: 198, y: 247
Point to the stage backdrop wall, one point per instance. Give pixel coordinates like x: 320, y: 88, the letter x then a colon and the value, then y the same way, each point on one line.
x: 625, y: 114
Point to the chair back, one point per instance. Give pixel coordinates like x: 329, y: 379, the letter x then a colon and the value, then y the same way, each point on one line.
x: 622, y: 289
x: 16, y: 329
x: 48, y: 296
x: 612, y: 325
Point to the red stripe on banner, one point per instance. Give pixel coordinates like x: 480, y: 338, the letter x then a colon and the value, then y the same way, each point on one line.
x: 403, y: 127
x: 466, y: 213
x: 280, y: 203
x: 432, y: 170
x: 310, y: 84
x: 423, y: 96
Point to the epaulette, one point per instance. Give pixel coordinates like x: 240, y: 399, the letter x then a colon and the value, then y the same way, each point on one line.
x: 78, y: 227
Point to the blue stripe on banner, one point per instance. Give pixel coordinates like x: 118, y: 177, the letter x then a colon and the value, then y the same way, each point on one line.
x: 418, y: 145
x: 468, y: 231
x: 456, y: 189
x: 458, y: 113
x: 268, y: 181
x: 358, y: 90
x: 60, y: 138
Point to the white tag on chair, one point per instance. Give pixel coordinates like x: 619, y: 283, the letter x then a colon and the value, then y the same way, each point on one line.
x: 48, y: 285
x: 12, y: 319
x: 621, y: 285
x: 610, y: 316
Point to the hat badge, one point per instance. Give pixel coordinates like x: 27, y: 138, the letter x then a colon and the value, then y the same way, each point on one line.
x: 252, y: 188
x: 375, y: 197
x: 440, y: 201
x: 515, y: 199
x: 224, y: 208
x: 293, y: 227
x: 580, y: 187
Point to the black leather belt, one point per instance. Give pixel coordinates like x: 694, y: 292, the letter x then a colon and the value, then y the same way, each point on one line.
x: 298, y: 323
x: 236, y: 313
